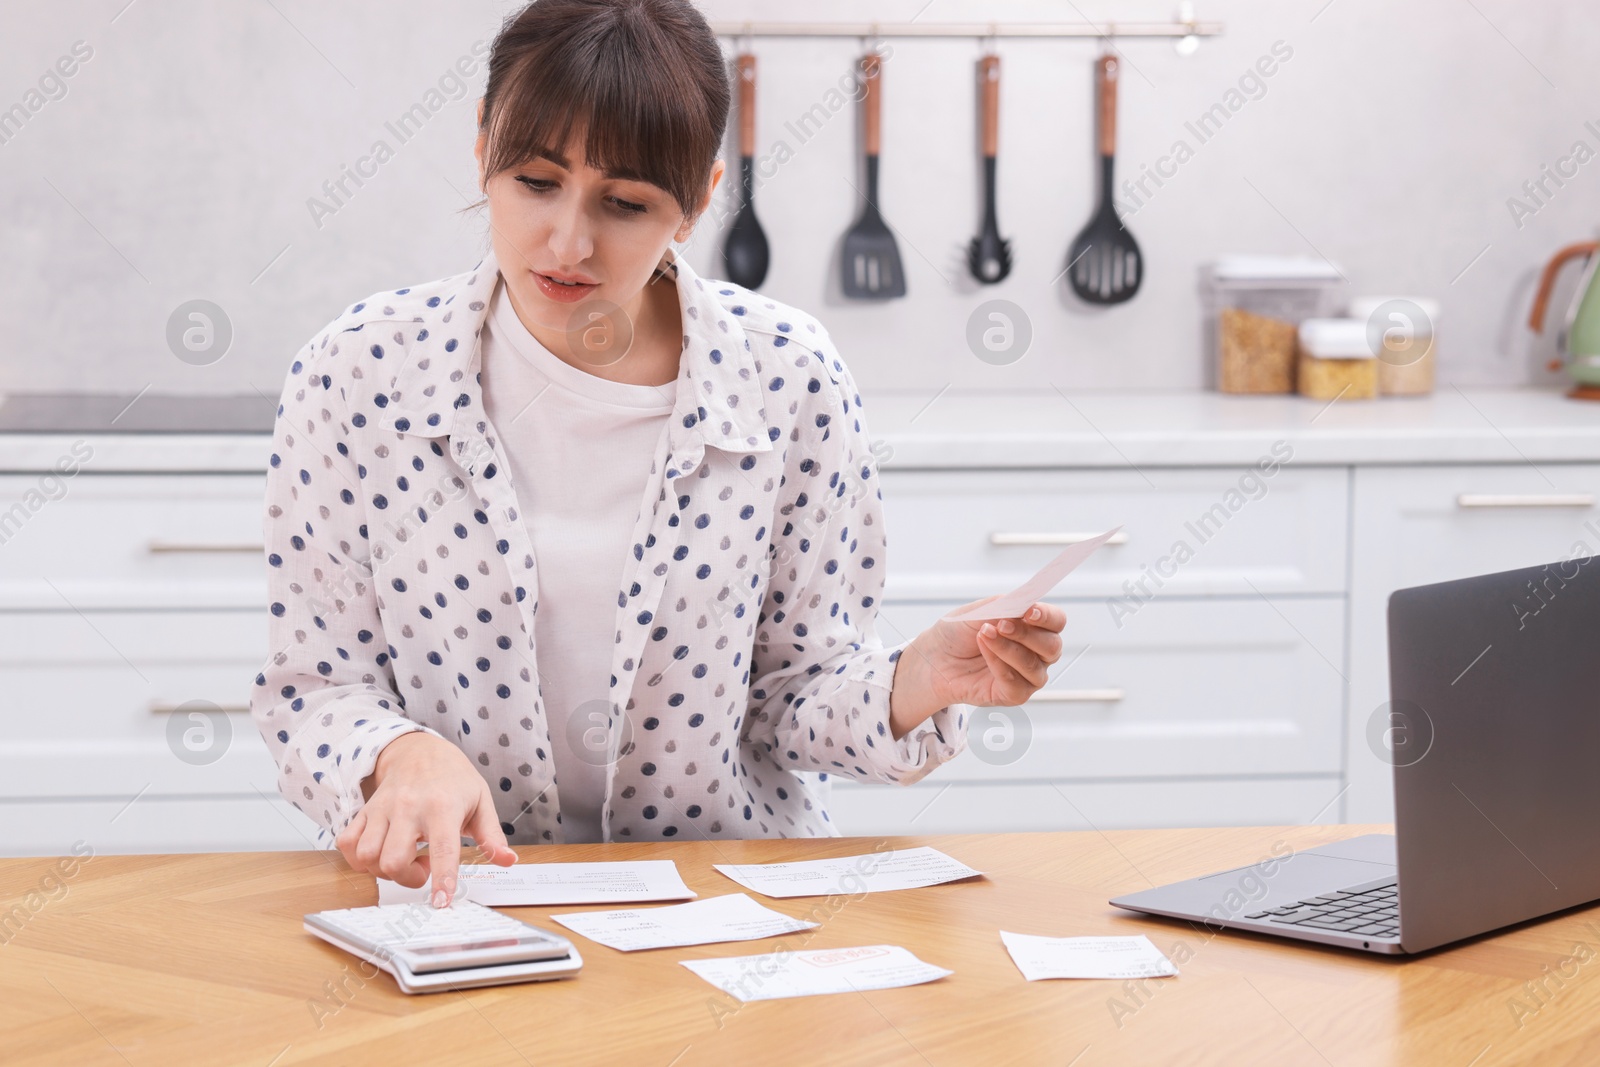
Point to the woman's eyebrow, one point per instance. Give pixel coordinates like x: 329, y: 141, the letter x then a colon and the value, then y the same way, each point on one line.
x: 617, y: 173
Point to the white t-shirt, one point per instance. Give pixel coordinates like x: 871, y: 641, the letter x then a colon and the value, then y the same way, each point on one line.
x: 579, y: 448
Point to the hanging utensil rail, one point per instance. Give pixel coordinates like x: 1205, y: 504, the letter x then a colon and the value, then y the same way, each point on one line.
x: 972, y: 29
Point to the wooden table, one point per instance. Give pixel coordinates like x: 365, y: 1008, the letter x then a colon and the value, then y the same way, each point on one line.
x: 182, y: 959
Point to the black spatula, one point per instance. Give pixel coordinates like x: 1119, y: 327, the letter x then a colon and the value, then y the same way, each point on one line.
x: 1104, y: 264
x: 989, y: 254
x: 870, y: 263
x: 745, y: 252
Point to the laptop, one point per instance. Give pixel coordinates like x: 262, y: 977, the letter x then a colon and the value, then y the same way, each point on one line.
x: 1493, y: 731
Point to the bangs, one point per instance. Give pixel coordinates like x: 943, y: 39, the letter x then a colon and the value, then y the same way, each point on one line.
x: 625, y: 83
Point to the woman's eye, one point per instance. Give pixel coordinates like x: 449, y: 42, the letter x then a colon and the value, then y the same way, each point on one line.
x: 542, y: 185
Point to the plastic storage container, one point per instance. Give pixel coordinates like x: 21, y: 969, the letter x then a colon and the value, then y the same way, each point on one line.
x: 1402, y: 332
x: 1253, y: 307
x: 1336, y: 361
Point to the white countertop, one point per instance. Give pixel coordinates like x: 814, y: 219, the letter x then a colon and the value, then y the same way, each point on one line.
x: 957, y: 429
x: 1117, y: 429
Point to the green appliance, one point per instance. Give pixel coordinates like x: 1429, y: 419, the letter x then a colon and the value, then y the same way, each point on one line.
x: 1579, y: 342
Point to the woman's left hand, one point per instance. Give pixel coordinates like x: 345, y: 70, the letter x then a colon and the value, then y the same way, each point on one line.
x: 993, y: 662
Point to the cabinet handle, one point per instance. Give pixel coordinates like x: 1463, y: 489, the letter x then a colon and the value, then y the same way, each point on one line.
x: 201, y: 546
x: 165, y: 707
x: 1079, y: 696
x: 1525, y: 500
x: 1002, y: 538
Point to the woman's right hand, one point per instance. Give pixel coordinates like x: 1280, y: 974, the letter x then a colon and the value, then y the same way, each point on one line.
x: 423, y: 788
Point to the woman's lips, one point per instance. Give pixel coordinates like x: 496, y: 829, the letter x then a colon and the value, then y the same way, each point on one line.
x: 565, y: 294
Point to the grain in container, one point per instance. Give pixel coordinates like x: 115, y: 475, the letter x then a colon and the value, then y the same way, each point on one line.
x: 1335, y: 360
x: 1253, y: 306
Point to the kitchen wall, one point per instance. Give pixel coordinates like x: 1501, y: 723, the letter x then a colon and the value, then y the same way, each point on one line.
x: 183, y: 156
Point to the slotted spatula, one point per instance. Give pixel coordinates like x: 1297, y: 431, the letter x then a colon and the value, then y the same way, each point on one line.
x: 870, y: 263
x: 1104, y: 264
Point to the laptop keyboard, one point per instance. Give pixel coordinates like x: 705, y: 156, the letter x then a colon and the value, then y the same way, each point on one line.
x: 1368, y: 910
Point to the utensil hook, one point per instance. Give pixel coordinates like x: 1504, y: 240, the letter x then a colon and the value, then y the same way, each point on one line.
x: 1108, y: 40
x: 872, y: 44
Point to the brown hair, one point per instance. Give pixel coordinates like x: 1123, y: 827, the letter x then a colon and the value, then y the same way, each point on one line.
x: 646, y: 77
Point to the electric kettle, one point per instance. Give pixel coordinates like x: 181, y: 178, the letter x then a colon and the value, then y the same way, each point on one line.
x: 1579, y: 341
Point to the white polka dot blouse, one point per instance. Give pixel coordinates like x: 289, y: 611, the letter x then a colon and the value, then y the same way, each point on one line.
x: 403, y: 585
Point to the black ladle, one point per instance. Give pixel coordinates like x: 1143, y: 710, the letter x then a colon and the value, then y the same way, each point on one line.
x: 745, y: 252
x: 1104, y: 264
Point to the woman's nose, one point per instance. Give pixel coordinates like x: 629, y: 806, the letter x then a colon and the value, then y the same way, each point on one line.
x: 570, y: 239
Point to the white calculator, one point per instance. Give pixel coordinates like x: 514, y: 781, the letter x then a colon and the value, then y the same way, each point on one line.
x: 463, y: 946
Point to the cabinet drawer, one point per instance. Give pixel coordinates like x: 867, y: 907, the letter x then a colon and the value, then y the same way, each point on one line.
x: 114, y: 826
x: 1418, y: 525
x: 960, y: 535
x: 90, y: 697
x: 998, y: 807
x: 1185, y: 688
x: 133, y: 541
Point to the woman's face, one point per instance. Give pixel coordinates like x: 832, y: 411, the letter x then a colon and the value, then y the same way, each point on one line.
x: 559, y: 221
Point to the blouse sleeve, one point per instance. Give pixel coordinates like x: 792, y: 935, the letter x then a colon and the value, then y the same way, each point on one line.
x: 819, y: 698
x: 325, y: 700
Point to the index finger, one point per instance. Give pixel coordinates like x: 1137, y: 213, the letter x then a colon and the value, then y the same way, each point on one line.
x: 444, y: 859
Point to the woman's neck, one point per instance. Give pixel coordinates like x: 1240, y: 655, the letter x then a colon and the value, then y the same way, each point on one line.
x: 657, y: 346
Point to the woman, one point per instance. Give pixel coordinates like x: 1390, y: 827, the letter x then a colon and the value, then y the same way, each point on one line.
x: 576, y: 545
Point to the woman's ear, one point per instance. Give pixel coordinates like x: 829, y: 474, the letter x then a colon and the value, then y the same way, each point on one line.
x: 717, y: 170
x: 480, y: 146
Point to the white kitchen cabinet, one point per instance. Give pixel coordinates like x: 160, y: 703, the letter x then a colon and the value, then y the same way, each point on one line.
x: 929, y: 807
x: 136, y: 541
x: 1190, y: 687
x: 128, y: 601
x: 130, y: 730
x: 91, y: 698
x: 1238, y: 693
x: 960, y: 535
x: 1416, y: 525
x: 1218, y: 662
x: 147, y: 823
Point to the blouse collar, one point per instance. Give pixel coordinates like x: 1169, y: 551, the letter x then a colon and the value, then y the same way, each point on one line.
x: 718, y: 401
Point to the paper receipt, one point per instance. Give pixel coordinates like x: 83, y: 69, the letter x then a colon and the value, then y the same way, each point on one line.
x: 1011, y: 605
